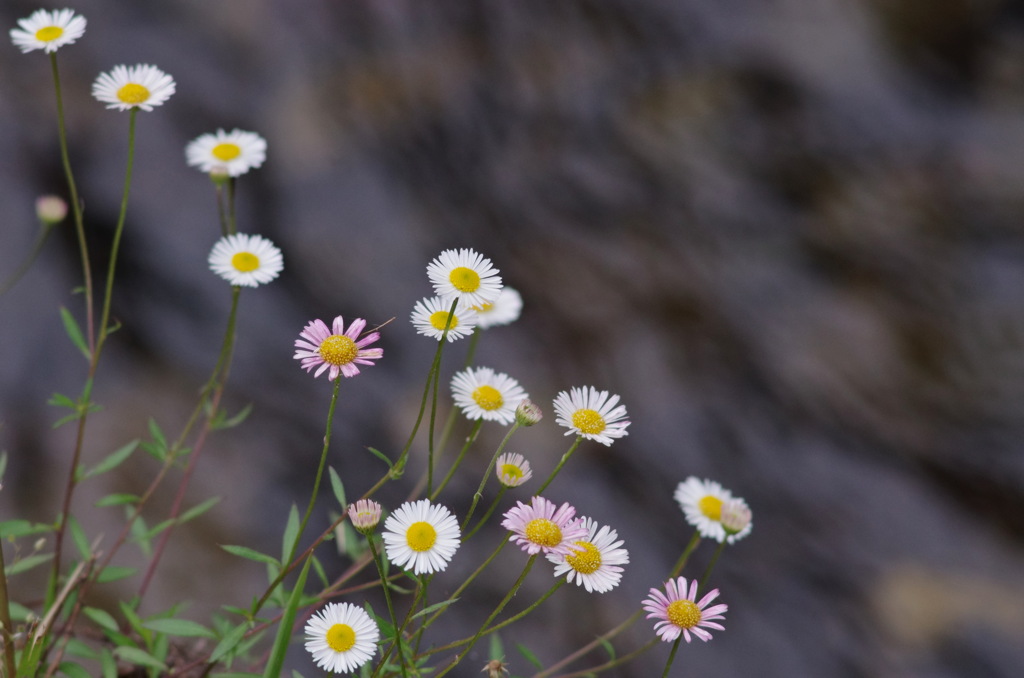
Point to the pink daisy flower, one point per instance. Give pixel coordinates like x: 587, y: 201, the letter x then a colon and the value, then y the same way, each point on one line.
x: 678, y: 613
x: 335, y: 349
x: 543, y: 528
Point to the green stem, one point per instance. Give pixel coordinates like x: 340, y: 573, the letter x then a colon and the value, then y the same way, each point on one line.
x: 487, y: 474
x: 5, y: 619
x: 433, y: 402
x: 37, y: 247
x: 470, y: 439
x: 490, y: 509
x: 671, y: 656
x: 681, y: 563
x: 561, y: 463
x: 387, y: 598
x: 501, y: 606
x: 420, y: 588
x: 465, y: 584
x: 711, y: 565
x: 319, y: 470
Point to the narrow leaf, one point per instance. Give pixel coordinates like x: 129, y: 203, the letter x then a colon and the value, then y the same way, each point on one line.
x: 27, y: 563
x: 113, y: 573
x: 101, y: 617
x: 229, y: 641
x: 179, y: 627
x: 113, y: 460
x: 198, y: 510
x: 291, y: 533
x: 435, y: 606
x: 72, y: 670
x: 529, y: 656
x: 284, y: 630
x: 134, y: 655
x: 380, y: 455
x: 339, y: 489
x: 250, y: 554
x: 74, y: 332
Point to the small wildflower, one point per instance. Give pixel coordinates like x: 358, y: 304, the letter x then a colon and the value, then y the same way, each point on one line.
x: 594, y: 561
x: 364, y: 514
x: 51, y: 209
x: 465, y: 275
x: 335, y: 348
x: 48, y: 31
x: 513, y: 470
x: 540, y: 527
x: 484, y: 394
x: 430, y: 316
x: 126, y: 87
x: 502, y: 311
x: 246, y: 260
x: 704, y: 503
x: 528, y: 414
x: 591, y: 413
x: 679, y: 613
x: 496, y: 668
x: 235, y: 152
x: 421, y: 536
x: 341, y: 637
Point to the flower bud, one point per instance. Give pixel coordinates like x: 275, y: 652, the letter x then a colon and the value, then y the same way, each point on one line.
x: 495, y: 668
x: 735, y: 519
x: 51, y: 209
x: 528, y: 414
x: 364, y: 514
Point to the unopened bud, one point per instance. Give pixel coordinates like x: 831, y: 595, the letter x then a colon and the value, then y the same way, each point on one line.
x: 364, y: 514
x: 51, y: 209
x: 528, y: 414
x: 735, y: 519
x: 496, y: 668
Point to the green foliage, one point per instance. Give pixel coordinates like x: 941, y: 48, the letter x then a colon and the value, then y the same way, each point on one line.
x: 250, y: 554
x: 74, y: 332
x: 338, y: 488
x: 111, y: 461
x: 284, y: 629
x: 221, y: 421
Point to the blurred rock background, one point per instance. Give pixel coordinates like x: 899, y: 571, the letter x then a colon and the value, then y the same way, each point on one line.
x: 787, y: 232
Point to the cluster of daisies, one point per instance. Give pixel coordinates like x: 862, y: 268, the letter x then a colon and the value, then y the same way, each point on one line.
x: 242, y: 260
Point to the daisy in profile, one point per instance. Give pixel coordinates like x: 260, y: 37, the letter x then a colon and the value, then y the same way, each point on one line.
x: 336, y: 349
x: 48, y: 30
x: 421, y: 537
x: 430, y: 316
x: 502, y: 311
x: 341, y: 637
x: 233, y: 153
x: 594, y: 562
x: 591, y: 413
x: 465, y: 275
x: 540, y: 527
x: 513, y: 470
x: 706, y: 503
x: 246, y: 260
x: 128, y: 87
x: 679, y: 613
x: 485, y: 394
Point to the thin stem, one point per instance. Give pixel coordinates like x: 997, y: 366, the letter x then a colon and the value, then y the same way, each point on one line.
x: 711, y: 565
x: 690, y: 547
x: 561, y: 463
x: 618, y: 661
x: 433, y: 402
x: 501, y: 606
x: 398, y: 631
x: 490, y: 509
x: 37, y: 247
x: 469, y: 580
x: 470, y: 439
x: 487, y: 474
x: 671, y: 656
x: 5, y: 619
x: 387, y: 597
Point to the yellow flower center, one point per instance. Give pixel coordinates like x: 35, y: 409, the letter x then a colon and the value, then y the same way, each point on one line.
x: 464, y: 279
x: 338, y: 349
x: 483, y: 308
x: 133, y: 93
x: 488, y: 398
x: 711, y: 507
x: 49, y: 34
x: 226, y: 151
x: 588, y: 421
x: 341, y: 637
x: 683, y: 613
x: 543, y: 532
x: 440, y: 318
x: 421, y: 536
x: 511, y: 472
x: 245, y: 262
x: 586, y: 559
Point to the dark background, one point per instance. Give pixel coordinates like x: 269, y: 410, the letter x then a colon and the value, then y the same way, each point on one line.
x: 788, y: 233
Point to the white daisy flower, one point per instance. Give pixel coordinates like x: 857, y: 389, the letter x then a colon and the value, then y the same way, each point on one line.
x: 128, y: 87
x: 595, y: 560
x: 484, y: 394
x: 48, y: 30
x: 233, y: 153
x: 421, y: 536
x: 712, y: 510
x: 466, y: 275
x: 341, y: 637
x: 502, y: 311
x: 430, y: 315
x: 246, y: 260
x: 591, y: 413
x: 513, y: 470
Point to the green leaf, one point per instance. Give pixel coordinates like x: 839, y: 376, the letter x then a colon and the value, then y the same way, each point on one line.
x: 435, y: 606
x: 497, y: 649
x: 27, y: 563
x: 229, y: 641
x: 380, y: 455
x: 134, y: 655
x: 72, y: 670
x: 113, y: 573
x: 77, y: 648
x: 20, y: 613
x: 112, y: 460
x: 339, y: 489
x: 179, y: 627
x: 74, y: 332
x: 78, y: 535
x: 219, y: 422
x: 250, y: 554
x: 320, y: 573
x: 3, y: 464
x: 21, y: 528
x: 102, y: 618
x: 61, y: 400
x: 198, y: 510
x: 117, y: 499
x: 135, y: 621
x: 608, y: 647
x: 140, y: 533
x: 284, y: 630
x: 291, y: 533
x: 108, y: 664
x: 529, y: 656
